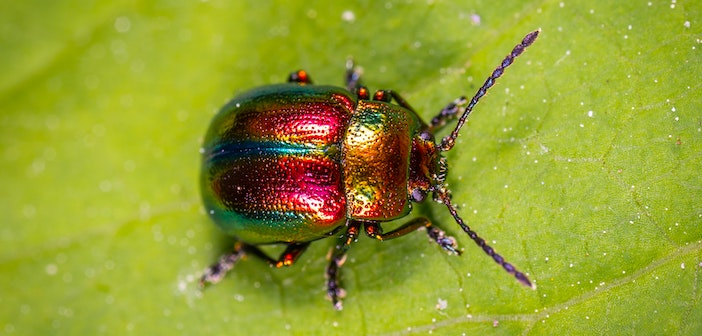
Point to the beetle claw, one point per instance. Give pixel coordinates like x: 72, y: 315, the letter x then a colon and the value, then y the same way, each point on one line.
x: 338, y: 306
x: 335, y: 295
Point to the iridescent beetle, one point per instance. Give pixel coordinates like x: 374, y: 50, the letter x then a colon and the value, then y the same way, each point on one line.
x: 293, y: 163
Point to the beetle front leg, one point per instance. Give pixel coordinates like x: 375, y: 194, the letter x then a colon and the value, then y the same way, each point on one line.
x: 437, y: 235
x: 447, y: 114
x: 338, y: 256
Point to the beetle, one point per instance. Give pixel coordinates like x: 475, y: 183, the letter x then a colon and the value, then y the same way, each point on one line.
x: 296, y: 162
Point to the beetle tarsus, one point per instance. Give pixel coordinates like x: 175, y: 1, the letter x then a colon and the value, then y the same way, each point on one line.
x: 448, y: 243
x: 353, y: 76
x: 226, y: 262
x: 334, y: 291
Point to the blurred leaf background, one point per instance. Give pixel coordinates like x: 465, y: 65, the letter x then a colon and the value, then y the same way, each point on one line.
x: 581, y: 166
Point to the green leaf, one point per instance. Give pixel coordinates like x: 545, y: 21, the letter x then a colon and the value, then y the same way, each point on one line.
x: 581, y: 166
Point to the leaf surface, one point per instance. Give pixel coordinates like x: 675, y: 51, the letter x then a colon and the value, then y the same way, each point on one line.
x: 581, y: 166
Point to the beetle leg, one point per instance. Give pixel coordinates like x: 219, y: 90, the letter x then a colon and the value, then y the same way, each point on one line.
x: 448, y: 113
x: 353, y: 76
x: 290, y: 255
x: 226, y: 262
x: 287, y: 258
x: 216, y: 272
x: 338, y: 256
x: 400, y: 101
x: 299, y: 77
x: 437, y: 235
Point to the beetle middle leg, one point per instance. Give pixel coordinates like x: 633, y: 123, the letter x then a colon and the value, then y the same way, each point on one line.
x: 437, y: 235
x: 338, y: 257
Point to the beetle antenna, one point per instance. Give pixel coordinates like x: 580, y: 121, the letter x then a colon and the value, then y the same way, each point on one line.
x: 448, y: 142
x: 521, y: 277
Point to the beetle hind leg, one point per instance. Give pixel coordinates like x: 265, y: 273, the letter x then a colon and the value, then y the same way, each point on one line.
x: 437, y: 235
x: 289, y: 256
x: 299, y: 77
x: 352, y: 80
x: 226, y: 262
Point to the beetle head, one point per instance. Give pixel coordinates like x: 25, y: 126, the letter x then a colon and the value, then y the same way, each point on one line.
x: 426, y: 166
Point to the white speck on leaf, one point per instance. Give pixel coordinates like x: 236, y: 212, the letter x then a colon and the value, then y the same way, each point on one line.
x: 441, y: 304
x: 348, y: 16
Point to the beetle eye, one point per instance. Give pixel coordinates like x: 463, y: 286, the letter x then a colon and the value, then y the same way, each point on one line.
x: 418, y: 195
